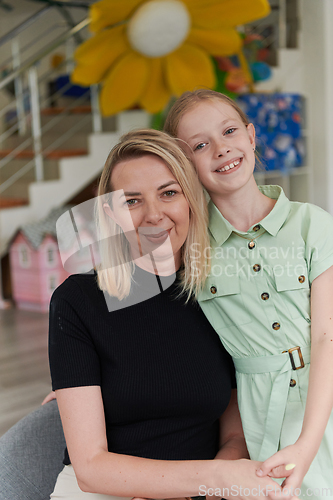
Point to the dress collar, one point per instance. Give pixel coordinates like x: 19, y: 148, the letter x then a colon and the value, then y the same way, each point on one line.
x: 221, y: 229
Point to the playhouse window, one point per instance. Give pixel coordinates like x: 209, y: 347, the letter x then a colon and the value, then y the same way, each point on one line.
x: 52, y: 283
x: 24, y: 256
x: 50, y: 255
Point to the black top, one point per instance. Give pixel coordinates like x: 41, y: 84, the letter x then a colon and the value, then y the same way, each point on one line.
x: 164, y: 375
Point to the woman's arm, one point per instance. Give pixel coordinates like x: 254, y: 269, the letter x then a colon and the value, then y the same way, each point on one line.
x: 319, y: 401
x: 99, y: 471
x: 232, y: 441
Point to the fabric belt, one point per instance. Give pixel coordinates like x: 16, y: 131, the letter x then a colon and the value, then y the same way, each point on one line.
x: 284, y: 364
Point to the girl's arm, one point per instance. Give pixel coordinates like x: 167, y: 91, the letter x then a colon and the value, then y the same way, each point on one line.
x: 99, y: 471
x: 319, y: 401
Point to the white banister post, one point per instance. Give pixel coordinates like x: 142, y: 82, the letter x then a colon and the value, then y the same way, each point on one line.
x: 69, y: 51
x: 282, y: 24
x: 36, y: 124
x: 97, y: 123
x: 19, y: 94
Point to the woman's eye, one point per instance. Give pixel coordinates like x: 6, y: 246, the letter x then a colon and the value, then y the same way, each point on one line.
x: 131, y: 202
x: 230, y: 131
x: 169, y: 193
x: 200, y: 146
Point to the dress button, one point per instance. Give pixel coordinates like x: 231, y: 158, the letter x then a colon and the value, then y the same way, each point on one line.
x: 251, y: 245
x: 276, y: 326
x: 256, y: 228
x: 265, y: 296
x: 213, y: 290
x: 256, y: 268
x: 301, y: 278
x: 292, y: 383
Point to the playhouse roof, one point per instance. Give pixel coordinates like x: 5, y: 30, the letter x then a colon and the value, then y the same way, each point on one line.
x: 35, y: 232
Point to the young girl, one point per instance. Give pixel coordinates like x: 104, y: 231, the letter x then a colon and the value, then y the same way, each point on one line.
x: 267, y: 254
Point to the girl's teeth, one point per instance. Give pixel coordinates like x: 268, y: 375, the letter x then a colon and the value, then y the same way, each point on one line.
x: 228, y: 167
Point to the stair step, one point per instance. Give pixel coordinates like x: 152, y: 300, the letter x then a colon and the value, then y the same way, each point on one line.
x: 12, y: 202
x: 59, y: 153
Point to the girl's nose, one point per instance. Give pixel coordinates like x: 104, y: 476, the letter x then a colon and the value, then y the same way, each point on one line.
x: 222, y: 149
x: 224, y: 153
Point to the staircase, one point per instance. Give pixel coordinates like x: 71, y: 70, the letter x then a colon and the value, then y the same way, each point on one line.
x: 67, y: 176
x: 72, y: 145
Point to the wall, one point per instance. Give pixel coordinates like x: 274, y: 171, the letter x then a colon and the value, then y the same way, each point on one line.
x: 317, y: 19
x: 309, y: 71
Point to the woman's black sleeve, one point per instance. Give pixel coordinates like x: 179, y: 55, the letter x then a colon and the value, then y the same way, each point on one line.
x: 73, y: 359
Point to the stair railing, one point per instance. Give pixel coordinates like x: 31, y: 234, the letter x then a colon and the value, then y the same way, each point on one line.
x: 33, y: 95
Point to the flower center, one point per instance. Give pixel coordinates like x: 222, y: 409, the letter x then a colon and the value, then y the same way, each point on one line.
x: 158, y: 27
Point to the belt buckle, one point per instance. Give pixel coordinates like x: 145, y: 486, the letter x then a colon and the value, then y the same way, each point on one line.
x: 298, y: 349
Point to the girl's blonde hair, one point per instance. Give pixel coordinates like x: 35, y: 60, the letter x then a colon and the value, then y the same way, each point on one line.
x: 189, y: 100
x: 116, y: 271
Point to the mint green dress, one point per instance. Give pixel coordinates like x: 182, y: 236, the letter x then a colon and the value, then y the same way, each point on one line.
x: 257, y: 297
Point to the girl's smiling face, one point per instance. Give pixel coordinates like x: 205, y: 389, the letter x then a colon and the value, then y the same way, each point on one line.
x: 222, y: 145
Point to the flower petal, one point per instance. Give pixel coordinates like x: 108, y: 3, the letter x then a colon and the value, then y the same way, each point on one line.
x: 109, y: 12
x: 156, y: 94
x: 228, y: 13
x: 223, y: 42
x: 125, y: 83
x: 103, y: 44
x: 199, y: 3
x: 86, y: 75
x: 96, y: 55
x: 189, y: 67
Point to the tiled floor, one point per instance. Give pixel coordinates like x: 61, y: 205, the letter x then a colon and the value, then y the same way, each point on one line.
x: 24, y: 372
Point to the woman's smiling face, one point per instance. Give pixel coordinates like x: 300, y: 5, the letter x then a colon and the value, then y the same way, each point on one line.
x: 149, y: 205
x: 222, y: 146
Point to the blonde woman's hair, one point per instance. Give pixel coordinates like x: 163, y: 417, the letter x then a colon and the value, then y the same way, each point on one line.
x: 115, y: 274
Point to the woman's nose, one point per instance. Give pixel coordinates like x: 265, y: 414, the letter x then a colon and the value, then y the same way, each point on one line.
x: 153, y: 212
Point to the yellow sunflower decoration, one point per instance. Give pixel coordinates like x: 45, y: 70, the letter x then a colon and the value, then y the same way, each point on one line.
x: 146, y: 51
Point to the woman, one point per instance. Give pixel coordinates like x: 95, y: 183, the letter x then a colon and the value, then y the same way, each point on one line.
x: 142, y: 382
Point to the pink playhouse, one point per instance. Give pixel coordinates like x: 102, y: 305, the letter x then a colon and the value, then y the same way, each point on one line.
x: 35, y: 263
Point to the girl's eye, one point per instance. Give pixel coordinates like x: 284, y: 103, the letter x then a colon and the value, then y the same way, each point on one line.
x: 230, y: 131
x: 200, y: 146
